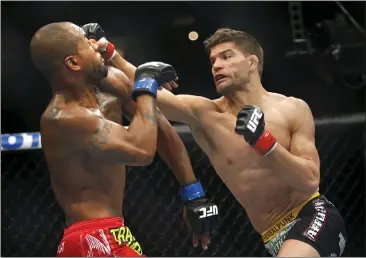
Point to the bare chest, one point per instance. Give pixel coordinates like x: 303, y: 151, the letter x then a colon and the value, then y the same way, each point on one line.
x: 228, y: 150
x: 248, y: 176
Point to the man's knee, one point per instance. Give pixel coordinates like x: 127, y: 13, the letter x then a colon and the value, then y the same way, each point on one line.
x: 296, y: 248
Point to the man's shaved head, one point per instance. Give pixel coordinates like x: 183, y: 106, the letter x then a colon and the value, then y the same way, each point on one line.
x: 52, y: 43
x: 62, y: 49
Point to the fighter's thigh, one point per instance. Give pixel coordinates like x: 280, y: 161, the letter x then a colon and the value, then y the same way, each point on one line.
x: 296, y: 248
x: 320, y: 228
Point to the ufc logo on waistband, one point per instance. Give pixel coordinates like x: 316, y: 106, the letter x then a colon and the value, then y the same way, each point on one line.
x: 253, y: 122
x: 209, y: 211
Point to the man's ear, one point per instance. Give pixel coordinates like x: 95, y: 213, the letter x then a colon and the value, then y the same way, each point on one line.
x: 72, y: 63
x: 253, y: 62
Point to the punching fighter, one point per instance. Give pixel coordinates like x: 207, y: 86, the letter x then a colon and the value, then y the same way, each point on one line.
x: 262, y: 146
x: 86, y: 152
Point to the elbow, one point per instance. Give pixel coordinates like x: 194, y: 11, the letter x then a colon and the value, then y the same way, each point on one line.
x: 147, y: 153
x: 312, y: 183
x: 146, y: 157
x: 145, y: 150
x: 312, y: 186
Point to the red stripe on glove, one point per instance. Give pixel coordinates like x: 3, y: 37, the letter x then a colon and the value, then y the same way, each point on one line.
x: 265, y: 143
x: 109, y: 53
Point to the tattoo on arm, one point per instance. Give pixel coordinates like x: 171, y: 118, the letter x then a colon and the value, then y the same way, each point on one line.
x: 100, y: 138
x: 152, y: 116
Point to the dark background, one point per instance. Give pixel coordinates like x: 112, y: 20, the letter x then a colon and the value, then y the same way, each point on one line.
x: 32, y: 221
x: 155, y: 31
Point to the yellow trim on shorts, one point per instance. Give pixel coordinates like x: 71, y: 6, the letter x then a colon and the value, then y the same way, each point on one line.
x: 272, y: 231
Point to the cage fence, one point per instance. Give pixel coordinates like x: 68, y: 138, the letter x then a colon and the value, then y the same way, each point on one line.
x: 33, y: 222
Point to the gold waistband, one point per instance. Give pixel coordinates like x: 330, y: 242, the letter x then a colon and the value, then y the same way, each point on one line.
x: 272, y: 231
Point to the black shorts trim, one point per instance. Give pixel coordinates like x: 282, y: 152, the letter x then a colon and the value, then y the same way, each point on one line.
x: 321, y: 226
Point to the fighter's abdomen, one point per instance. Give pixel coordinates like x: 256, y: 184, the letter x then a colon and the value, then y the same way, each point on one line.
x: 88, y: 188
x: 250, y: 177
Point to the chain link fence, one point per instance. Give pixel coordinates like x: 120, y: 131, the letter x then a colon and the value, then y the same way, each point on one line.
x: 33, y: 222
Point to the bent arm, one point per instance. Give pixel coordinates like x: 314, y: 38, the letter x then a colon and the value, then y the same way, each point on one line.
x: 300, y: 166
x: 135, y: 146
x: 144, y: 125
x: 169, y: 146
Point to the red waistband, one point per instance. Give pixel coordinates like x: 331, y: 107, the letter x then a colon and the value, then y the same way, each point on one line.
x: 92, y: 224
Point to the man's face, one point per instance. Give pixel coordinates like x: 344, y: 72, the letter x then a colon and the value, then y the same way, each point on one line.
x: 91, y: 60
x: 87, y: 59
x: 230, y: 67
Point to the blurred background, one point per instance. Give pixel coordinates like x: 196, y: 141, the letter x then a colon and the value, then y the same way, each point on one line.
x: 313, y: 50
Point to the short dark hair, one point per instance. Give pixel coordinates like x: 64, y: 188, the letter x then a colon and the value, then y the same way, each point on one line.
x: 51, y: 44
x: 246, y: 42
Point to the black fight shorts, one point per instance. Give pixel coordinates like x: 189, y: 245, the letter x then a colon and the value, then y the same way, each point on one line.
x: 316, y: 222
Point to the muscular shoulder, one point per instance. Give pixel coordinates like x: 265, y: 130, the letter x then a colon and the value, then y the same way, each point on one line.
x: 298, y: 104
x: 69, y: 119
x: 299, y: 112
x: 290, y: 103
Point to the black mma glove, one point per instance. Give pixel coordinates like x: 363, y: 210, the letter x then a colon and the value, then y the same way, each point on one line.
x: 150, y: 76
x: 95, y: 31
x: 202, y: 215
x: 250, y: 124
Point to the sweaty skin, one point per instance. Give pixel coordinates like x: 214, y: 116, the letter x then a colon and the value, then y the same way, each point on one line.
x: 93, y: 186
x: 252, y: 179
x: 266, y: 187
x: 86, y: 184
x: 84, y: 143
x: 180, y: 166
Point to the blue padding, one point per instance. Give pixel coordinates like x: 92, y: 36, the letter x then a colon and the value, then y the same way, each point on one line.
x: 146, y: 84
x: 191, y: 192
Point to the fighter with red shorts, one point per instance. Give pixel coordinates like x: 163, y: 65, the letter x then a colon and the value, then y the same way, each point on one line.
x: 86, y: 152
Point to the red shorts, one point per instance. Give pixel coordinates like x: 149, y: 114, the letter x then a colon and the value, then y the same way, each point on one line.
x: 99, y: 238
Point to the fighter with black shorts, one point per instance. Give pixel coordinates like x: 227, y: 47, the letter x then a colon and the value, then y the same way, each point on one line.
x: 262, y: 145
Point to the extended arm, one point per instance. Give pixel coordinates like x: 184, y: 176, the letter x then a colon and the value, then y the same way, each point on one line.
x: 178, y: 108
x: 200, y: 214
x: 173, y: 152
x: 192, y: 194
